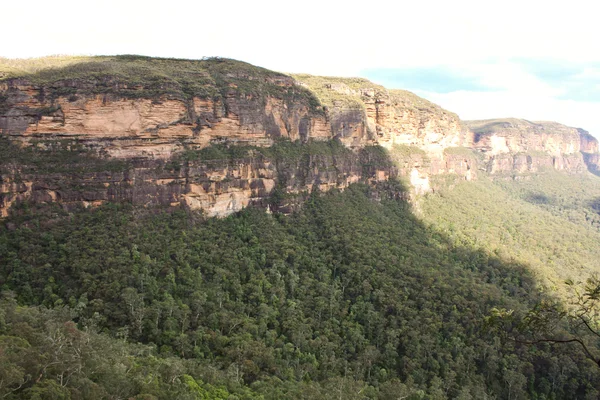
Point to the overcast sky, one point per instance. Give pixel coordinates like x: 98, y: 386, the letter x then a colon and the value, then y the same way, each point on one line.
x: 538, y: 60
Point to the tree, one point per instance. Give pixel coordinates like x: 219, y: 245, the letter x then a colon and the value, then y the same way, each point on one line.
x: 552, y: 321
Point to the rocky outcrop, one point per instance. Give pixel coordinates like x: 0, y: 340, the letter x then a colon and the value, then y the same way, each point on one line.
x: 143, y: 127
x: 518, y: 146
x: 219, y: 186
x: 158, y: 127
x: 231, y: 103
x: 419, y: 135
x: 588, y: 143
x: 372, y: 114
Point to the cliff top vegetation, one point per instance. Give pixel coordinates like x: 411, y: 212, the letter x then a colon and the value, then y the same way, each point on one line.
x: 139, y: 76
x: 507, y: 126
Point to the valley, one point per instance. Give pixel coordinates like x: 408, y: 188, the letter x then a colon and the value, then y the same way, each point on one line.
x: 208, y: 229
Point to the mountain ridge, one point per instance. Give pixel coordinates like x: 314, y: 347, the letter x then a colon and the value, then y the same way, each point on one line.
x: 152, y: 112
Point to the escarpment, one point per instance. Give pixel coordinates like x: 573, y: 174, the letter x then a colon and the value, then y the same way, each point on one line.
x: 387, y: 117
x: 219, y: 135
x: 520, y: 146
x: 161, y: 115
x: 219, y: 180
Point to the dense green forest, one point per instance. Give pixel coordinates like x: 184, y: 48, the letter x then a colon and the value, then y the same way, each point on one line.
x: 352, y: 297
x: 550, y: 222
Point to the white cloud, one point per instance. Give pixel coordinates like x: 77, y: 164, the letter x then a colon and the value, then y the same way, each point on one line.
x: 509, y: 76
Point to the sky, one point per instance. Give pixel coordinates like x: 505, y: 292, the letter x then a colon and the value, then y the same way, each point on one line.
x: 538, y: 60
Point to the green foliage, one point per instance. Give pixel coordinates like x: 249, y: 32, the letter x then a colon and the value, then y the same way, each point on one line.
x: 403, y: 155
x: 552, y: 323
x: 407, y: 99
x: 374, y: 158
x: 338, y: 92
x: 19, y: 67
x: 537, y: 222
x: 511, y: 127
x: 575, y: 198
x: 54, y: 156
x: 221, y: 152
x: 349, y: 296
x: 134, y: 76
x: 461, y: 151
x: 44, y: 355
x: 401, y: 150
x: 285, y: 153
x: 286, y: 150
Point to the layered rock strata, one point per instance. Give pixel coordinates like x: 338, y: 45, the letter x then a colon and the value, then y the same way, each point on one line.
x: 518, y: 146
x: 149, y: 122
x: 217, y: 186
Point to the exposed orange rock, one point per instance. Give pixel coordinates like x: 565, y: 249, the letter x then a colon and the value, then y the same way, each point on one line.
x: 154, y: 128
x: 513, y: 145
x: 588, y: 143
x: 98, y: 117
x: 423, y: 139
x: 400, y: 117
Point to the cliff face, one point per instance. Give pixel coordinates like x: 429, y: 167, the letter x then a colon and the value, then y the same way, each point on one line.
x: 520, y: 146
x: 386, y: 117
x: 219, y: 183
x: 422, y: 138
x: 157, y: 127
x: 144, y: 129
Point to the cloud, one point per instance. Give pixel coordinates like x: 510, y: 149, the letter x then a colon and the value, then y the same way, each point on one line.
x: 496, y: 75
x: 548, y: 69
x: 576, y: 81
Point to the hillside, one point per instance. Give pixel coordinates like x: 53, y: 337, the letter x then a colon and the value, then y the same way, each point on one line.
x: 523, y: 146
x: 549, y: 222
x: 350, y: 293
x: 366, y: 242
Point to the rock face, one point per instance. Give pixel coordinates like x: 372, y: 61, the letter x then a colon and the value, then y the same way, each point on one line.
x: 406, y: 119
x: 371, y: 114
x: 140, y: 125
x: 520, y: 146
x: 154, y: 128
x: 422, y: 138
x: 145, y: 127
x: 219, y: 186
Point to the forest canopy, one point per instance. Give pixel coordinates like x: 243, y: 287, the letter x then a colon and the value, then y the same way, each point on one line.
x: 351, y: 296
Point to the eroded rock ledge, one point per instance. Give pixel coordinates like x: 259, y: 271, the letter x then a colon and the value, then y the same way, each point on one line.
x: 219, y: 180
x: 520, y: 146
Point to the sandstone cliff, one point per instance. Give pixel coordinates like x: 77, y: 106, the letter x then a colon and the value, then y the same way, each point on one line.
x: 520, y: 146
x: 422, y: 138
x: 173, y: 106
x: 211, y: 135
x: 218, y: 100
x: 219, y: 180
x: 385, y: 117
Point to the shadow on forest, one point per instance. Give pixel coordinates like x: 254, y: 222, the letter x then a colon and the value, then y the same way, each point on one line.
x: 594, y: 204
x: 591, y: 162
x: 351, y: 285
x: 537, y: 198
